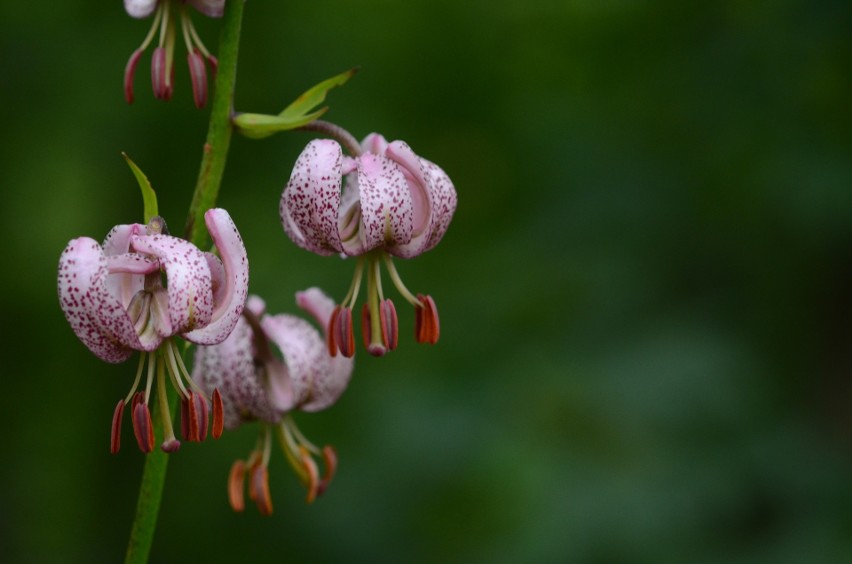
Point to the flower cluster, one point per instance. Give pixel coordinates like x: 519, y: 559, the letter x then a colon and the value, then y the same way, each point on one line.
x: 139, y: 290
x: 144, y: 290
x: 394, y: 203
x: 270, y: 366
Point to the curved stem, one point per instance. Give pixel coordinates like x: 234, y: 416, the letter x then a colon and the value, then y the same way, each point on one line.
x: 206, y: 191
x: 336, y: 132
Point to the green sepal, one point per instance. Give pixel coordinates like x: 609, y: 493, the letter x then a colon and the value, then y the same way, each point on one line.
x: 149, y: 197
x: 297, y: 114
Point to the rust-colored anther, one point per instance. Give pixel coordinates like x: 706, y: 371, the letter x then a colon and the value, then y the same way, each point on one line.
x: 218, y: 414
x: 192, y: 418
x: 427, y: 327
x: 259, y: 489
x: 129, y: 72
x: 115, y: 431
x: 312, y: 474
x: 160, y: 74
x: 329, y: 455
x: 198, y: 74
x: 390, y: 325
x: 330, y: 333
x: 236, y: 483
x: 143, y: 427
x: 345, y: 336
x: 201, y: 412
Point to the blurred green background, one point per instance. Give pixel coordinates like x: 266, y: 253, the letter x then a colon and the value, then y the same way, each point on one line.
x: 646, y: 350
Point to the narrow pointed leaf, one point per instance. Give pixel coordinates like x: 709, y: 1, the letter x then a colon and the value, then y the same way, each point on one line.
x: 149, y: 197
x: 316, y: 95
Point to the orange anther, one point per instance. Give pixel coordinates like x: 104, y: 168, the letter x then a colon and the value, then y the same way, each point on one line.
x: 259, y: 489
x: 236, y: 483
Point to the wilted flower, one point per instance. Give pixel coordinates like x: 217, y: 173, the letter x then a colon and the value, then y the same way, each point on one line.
x: 394, y: 203
x: 269, y: 366
x: 139, y: 290
x: 162, y: 62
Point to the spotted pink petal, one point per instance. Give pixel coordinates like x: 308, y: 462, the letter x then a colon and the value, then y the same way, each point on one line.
x: 229, y: 366
x: 188, y: 278
x: 97, y: 318
x: 140, y: 8
x: 310, y: 201
x: 230, y: 300
x: 421, y: 198
x: 386, y: 204
x: 210, y: 8
x: 304, y: 353
x: 444, y: 202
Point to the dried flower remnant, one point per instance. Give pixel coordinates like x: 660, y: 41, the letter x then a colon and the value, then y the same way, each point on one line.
x: 268, y: 367
x: 165, y: 13
x: 394, y: 203
x: 141, y: 289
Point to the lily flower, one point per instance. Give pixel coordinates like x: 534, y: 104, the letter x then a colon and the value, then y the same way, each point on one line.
x: 162, y: 62
x: 141, y: 289
x: 268, y: 367
x: 394, y: 203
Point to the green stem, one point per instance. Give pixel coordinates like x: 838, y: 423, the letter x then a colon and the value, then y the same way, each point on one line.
x: 219, y: 133
x: 206, y: 192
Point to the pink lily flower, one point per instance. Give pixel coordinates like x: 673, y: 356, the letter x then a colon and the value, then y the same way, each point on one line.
x: 269, y: 366
x: 394, y: 203
x: 162, y: 63
x: 138, y: 291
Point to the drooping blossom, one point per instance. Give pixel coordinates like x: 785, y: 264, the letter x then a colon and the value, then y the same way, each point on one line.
x: 139, y: 291
x: 394, y: 203
x: 165, y: 13
x: 268, y: 367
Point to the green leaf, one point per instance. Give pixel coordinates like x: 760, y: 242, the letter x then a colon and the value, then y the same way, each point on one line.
x: 316, y: 95
x: 300, y: 112
x: 149, y: 197
x: 258, y: 126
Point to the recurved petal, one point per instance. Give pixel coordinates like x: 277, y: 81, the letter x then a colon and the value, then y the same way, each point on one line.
x: 304, y: 352
x: 444, y: 201
x: 97, y: 318
x: 421, y: 198
x: 315, y: 302
x: 311, y: 200
x: 211, y: 8
x: 117, y: 242
x: 231, y: 298
x: 140, y: 8
x: 331, y: 383
x: 386, y: 204
x: 188, y: 278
